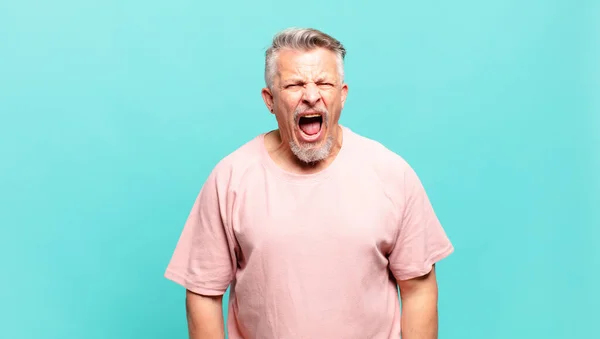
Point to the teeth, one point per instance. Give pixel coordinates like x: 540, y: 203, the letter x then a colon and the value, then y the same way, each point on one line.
x: 312, y: 115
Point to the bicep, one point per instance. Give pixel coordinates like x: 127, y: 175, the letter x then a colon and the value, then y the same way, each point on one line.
x: 204, y: 259
x: 423, y: 285
x: 204, y: 315
x: 421, y: 240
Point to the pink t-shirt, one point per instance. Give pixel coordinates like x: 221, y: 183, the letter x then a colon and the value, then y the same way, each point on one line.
x: 310, y: 256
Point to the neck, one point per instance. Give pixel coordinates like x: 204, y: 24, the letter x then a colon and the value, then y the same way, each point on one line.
x: 282, y: 155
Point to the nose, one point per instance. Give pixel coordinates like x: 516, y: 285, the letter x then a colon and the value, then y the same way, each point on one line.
x: 311, y: 94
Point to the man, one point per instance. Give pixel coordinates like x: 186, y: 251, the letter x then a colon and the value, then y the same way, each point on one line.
x: 313, y: 226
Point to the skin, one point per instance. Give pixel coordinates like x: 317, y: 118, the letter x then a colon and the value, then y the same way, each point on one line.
x: 419, y: 307
x: 305, y: 80
x: 204, y: 316
x: 309, y: 80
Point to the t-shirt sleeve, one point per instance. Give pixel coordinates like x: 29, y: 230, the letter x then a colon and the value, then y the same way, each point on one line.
x: 421, y: 241
x: 204, y: 257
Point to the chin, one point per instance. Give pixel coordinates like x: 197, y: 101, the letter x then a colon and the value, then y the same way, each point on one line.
x: 312, y: 152
x: 311, y: 140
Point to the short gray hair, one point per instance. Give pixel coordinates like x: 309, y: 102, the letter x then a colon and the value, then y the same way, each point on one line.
x: 301, y: 39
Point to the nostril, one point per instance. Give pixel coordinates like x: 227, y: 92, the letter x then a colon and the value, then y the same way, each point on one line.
x: 312, y: 97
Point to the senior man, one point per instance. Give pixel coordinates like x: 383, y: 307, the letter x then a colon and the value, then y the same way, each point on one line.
x: 312, y: 226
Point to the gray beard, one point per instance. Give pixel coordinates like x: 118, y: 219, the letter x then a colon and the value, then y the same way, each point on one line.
x: 309, y: 154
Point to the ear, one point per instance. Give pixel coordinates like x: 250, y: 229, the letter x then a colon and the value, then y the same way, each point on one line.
x: 344, y: 93
x: 267, y: 96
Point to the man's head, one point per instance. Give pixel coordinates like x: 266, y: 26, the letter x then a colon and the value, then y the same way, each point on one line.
x: 305, y: 89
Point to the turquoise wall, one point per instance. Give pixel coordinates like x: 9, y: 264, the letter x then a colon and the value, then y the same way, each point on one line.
x: 114, y: 112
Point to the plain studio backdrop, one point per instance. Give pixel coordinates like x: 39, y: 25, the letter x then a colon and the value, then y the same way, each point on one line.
x: 114, y: 112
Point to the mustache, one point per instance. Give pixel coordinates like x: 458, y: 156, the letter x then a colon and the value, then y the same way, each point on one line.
x: 319, y: 110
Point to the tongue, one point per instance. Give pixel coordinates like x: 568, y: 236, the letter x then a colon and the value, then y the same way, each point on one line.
x: 310, y: 128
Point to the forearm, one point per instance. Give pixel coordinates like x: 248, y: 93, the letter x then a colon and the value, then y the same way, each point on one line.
x: 204, y: 316
x: 420, y: 317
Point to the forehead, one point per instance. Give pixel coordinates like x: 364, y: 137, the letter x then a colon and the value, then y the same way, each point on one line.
x: 314, y: 62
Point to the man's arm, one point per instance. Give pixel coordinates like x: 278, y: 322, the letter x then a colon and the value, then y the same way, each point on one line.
x: 204, y: 316
x: 419, y: 307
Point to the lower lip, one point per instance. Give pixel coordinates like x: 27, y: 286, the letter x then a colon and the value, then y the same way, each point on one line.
x: 310, y: 138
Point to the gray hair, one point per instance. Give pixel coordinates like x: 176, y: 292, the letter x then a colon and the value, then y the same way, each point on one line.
x: 301, y: 39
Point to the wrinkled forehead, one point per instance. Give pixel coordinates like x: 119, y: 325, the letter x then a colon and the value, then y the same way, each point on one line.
x: 308, y: 65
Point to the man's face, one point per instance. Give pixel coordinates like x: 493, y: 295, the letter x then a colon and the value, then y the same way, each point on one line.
x: 307, y: 98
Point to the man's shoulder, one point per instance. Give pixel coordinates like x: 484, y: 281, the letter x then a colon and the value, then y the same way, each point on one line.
x: 248, y: 151
x: 395, y: 174
x: 372, y: 152
x: 238, y: 161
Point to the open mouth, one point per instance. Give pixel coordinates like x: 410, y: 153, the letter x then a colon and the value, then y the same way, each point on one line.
x: 311, y: 126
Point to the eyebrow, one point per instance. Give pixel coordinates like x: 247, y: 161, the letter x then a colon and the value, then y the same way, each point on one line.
x: 293, y: 79
x: 320, y: 78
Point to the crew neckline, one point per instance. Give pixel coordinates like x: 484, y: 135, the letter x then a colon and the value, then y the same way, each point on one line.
x: 298, y: 178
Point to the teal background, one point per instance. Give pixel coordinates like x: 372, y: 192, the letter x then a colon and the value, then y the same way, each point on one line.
x: 113, y: 113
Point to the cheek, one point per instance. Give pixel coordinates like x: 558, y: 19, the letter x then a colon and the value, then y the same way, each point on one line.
x: 331, y: 97
x: 287, y: 107
x: 285, y: 118
x: 286, y: 102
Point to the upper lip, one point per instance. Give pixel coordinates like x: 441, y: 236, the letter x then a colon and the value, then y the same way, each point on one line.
x: 305, y: 114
